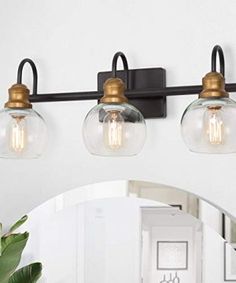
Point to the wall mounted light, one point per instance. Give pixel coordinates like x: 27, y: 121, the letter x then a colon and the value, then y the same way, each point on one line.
x: 117, y: 128
x: 208, y: 124
x: 23, y: 131
x: 114, y: 127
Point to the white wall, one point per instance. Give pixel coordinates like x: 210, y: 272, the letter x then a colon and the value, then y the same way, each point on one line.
x: 210, y: 216
x: 70, y: 42
x: 213, y: 245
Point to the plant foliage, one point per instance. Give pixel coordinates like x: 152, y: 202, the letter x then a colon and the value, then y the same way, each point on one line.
x: 11, y: 248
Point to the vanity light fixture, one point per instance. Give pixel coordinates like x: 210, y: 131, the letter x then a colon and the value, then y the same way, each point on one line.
x: 208, y: 124
x: 117, y: 128
x: 23, y: 132
x: 114, y: 127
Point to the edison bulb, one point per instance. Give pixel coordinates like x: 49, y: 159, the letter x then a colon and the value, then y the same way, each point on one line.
x: 214, y: 125
x: 23, y: 133
x: 208, y: 125
x: 114, y: 130
x: 17, y: 138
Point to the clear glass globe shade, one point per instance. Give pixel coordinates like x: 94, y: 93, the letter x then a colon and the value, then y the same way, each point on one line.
x: 114, y: 130
x: 23, y: 133
x: 208, y: 126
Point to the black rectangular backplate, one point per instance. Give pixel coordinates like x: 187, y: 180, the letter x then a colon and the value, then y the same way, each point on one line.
x: 143, y: 79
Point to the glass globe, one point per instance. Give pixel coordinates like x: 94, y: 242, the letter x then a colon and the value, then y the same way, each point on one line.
x: 114, y: 130
x: 208, y: 125
x: 23, y: 133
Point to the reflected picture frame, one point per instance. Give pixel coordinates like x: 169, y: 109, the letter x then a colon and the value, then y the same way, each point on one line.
x: 229, y: 263
x: 179, y: 255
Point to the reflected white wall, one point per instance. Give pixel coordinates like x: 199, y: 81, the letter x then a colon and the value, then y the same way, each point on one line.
x: 95, y: 241
x: 210, y: 216
x: 213, y: 256
x: 83, y: 240
x: 171, y: 225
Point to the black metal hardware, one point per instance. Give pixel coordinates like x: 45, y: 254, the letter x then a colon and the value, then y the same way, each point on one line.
x: 218, y: 50
x: 146, y: 88
x: 131, y: 94
x: 145, y: 95
x: 125, y: 64
x: 223, y: 232
x: 143, y: 80
x: 34, y: 71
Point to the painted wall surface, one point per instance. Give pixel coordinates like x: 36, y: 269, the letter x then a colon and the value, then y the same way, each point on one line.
x: 71, y: 41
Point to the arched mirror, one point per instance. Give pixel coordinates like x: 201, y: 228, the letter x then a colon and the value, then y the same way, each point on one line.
x: 128, y: 232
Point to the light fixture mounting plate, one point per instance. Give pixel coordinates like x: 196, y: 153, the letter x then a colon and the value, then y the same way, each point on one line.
x: 143, y: 79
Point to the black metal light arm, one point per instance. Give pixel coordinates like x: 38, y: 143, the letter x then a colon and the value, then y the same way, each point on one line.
x: 218, y: 50
x: 125, y: 64
x: 34, y: 71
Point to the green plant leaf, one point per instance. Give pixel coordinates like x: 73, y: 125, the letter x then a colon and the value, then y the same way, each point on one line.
x: 13, y: 246
x: 28, y: 274
x: 18, y: 224
x: 5, y: 241
x: 0, y: 238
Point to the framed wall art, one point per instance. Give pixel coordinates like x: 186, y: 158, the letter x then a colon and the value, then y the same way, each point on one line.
x: 172, y: 255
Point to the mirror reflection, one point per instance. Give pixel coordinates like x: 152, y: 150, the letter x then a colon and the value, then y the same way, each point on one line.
x: 131, y: 231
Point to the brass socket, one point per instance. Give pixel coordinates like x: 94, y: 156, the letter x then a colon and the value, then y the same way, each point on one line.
x: 213, y: 86
x: 18, y: 97
x: 114, y: 89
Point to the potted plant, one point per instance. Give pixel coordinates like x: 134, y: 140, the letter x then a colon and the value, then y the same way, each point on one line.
x: 11, y: 247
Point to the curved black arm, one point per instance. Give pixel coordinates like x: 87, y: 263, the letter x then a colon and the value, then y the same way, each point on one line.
x: 218, y: 50
x: 34, y: 71
x: 125, y: 64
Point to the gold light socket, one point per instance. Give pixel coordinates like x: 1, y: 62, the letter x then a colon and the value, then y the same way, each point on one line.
x: 213, y: 86
x: 18, y: 97
x: 114, y: 89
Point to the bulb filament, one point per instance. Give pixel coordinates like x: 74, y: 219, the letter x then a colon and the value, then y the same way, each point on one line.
x: 215, y: 127
x: 18, y: 134
x: 113, y: 124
